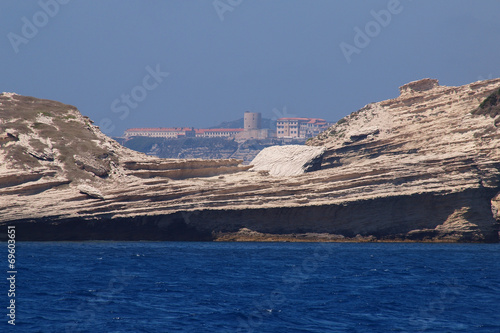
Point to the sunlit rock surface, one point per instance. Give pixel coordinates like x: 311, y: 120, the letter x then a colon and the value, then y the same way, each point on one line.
x: 291, y: 160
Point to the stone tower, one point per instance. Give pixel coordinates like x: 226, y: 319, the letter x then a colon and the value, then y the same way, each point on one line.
x: 252, y: 121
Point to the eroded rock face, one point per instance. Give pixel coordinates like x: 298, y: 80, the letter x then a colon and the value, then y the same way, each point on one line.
x: 432, y: 140
x: 91, y: 191
x: 419, y: 86
x: 421, y: 167
x: 92, y: 164
x: 292, y: 160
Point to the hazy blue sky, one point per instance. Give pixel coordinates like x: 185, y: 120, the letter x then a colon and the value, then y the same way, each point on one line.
x: 224, y: 57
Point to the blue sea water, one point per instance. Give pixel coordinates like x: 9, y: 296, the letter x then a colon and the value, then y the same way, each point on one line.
x: 255, y: 287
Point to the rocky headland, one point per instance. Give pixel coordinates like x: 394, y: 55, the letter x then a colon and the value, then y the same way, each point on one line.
x: 424, y: 166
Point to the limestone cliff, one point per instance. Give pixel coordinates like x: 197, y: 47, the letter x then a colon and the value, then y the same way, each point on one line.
x: 423, y: 166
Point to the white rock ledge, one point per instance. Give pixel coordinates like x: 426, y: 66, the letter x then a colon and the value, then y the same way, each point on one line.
x: 284, y: 161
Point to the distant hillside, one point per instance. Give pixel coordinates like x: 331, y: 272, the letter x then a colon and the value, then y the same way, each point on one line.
x: 204, y: 148
x: 266, y: 123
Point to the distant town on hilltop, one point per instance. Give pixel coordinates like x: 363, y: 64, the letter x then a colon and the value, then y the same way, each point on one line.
x: 286, y: 129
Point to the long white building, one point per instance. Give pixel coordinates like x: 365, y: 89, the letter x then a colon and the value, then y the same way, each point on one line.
x: 182, y: 132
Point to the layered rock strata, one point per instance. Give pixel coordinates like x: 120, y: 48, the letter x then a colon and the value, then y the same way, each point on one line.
x: 420, y: 167
x: 292, y: 160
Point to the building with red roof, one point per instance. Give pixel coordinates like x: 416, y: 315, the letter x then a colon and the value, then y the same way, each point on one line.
x: 161, y: 132
x: 182, y: 132
x: 217, y: 132
x: 292, y: 128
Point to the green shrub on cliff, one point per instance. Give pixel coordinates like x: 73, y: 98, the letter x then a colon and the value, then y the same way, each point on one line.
x: 490, y: 106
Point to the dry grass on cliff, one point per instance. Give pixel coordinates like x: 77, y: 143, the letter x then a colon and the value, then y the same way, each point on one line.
x: 41, y: 125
